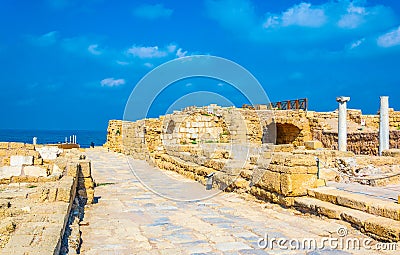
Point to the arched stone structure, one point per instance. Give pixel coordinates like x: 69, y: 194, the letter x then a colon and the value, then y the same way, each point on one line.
x: 287, y: 133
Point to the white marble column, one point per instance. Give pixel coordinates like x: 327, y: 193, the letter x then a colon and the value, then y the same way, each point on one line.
x: 342, y: 123
x: 384, y: 125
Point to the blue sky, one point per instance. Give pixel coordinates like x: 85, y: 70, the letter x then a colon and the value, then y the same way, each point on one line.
x: 71, y: 64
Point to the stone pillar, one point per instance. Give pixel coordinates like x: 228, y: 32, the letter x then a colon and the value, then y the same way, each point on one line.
x: 384, y: 125
x: 34, y: 140
x: 342, y: 123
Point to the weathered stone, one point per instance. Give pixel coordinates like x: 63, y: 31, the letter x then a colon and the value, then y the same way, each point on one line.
x: 297, y: 184
x: 353, y: 201
x: 85, y: 168
x: 21, y: 160
x: 7, y: 226
x: 8, y: 171
x: 35, y: 171
x: 386, y: 229
x: 37, y: 161
x: 49, y: 152
x: 313, y: 145
x: 270, y: 181
x: 300, y: 160
x: 3, y: 145
x: 13, y: 145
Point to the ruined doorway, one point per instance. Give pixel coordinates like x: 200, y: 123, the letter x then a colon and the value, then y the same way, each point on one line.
x: 286, y: 133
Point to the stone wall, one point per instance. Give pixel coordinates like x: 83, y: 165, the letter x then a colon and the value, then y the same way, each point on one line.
x: 360, y: 142
x: 114, y: 135
x: 233, y: 125
x: 277, y: 177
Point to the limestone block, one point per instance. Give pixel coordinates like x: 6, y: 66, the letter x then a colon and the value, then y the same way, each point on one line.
x: 300, y: 160
x: 17, y: 160
x: 65, y: 189
x: 270, y: 181
x: 313, y: 145
x: 293, y: 169
x: 8, y: 171
x: 72, y: 169
x: 35, y: 171
x: 14, y: 145
x: 85, y: 168
x: 354, y: 201
x: 384, y: 228
x: 37, y: 161
x: 297, y: 184
x: 3, y: 145
x: 29, y: 146
x: 391, y: 153
x: 279, y: 158
x: 49, y: 152
x: 17, y: 179
x: 56, y: 170
x: 6, y: 161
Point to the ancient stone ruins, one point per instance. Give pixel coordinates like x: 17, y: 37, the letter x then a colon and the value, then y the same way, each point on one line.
x: 281, y: 156
x: 42, y: 193
x: 340, y: 165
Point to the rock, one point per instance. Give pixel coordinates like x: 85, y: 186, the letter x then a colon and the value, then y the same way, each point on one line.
x: 49, y: 152
x: 17, y: 160
x: 8, y: 171
x: 313, y: 145
x: 56, y: 170
x: 35, y: 171
x: 7, y: 226
x: 26, y: 209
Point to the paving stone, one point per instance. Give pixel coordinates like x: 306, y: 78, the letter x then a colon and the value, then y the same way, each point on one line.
x: 232, y: 246
x: 130, y: 219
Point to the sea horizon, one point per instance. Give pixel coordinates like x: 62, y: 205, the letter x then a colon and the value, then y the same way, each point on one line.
x: 84, y: 137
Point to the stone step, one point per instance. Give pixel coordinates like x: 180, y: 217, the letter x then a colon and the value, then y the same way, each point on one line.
x: 359, y: 202
x: 378, y: 227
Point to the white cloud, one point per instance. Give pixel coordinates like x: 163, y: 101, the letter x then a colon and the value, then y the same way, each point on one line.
x: 111, y: 82
x: 122, y: 63
x: 180, y: 53
x: 152, y: 12
x: 353, y: 18
x: 47, y: 39
x: 304, y: 15
x: 343, y: 14
x: 147, y: 52
x: 94, y: 49
x: 149, y: 65
x: 389, y: 39
x: 357, y: 43
x: 171, y: 47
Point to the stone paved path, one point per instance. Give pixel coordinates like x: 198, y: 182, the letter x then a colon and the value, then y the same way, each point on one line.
x: 129, y: 219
